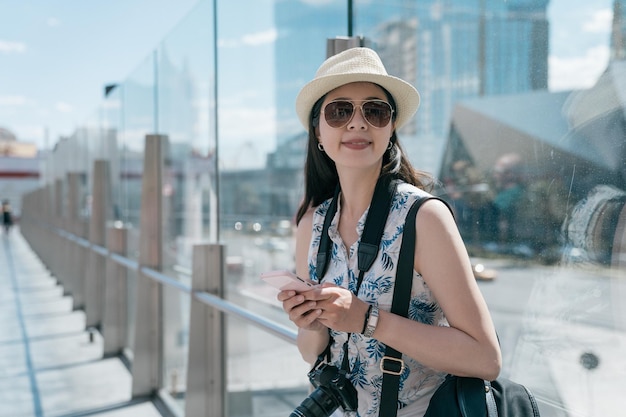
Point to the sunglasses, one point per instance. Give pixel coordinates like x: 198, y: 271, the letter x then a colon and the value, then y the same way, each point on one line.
x: 339, y: 113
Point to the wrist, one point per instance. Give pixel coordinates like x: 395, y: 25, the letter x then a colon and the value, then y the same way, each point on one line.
x: 367, y: 317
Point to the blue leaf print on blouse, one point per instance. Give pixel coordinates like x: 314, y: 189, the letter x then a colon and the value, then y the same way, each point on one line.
x: 373, y: 287
x: 313, y: 272
x: 386, y: 261
x: 399, y: 200
x: 422, y: 312
x: 352, y: 281
x: 358, y: 374
x: 375, y: 349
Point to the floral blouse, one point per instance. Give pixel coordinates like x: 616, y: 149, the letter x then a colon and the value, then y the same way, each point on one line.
x: 417, y: 382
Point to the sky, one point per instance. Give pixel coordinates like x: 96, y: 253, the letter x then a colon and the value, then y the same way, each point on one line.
x: 56, y: 56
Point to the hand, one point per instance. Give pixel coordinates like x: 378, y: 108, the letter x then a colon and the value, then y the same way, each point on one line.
x: 341, y: 310
x: 302, y: 312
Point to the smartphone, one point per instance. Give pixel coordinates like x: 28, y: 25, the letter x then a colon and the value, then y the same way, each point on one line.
x: 287, y: 280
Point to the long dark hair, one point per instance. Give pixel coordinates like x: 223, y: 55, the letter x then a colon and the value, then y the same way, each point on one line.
x: 320, y: 172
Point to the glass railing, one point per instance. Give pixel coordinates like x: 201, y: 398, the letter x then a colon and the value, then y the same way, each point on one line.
x: 536, y: 177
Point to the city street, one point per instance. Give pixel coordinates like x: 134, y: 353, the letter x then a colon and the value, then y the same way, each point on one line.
x: 561, y: 331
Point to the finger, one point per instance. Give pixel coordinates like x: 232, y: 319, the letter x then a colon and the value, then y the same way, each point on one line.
x: 309, y: 320
x: 285, y: 295
x: 301, y: 310
x: 290, y: 303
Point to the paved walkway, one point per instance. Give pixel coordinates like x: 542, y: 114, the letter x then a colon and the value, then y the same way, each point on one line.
x: 49, y: 364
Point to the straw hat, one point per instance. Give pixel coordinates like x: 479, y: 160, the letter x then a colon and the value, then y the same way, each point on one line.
x: 354, y: 65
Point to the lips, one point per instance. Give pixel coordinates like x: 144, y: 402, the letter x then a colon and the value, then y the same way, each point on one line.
x: 356, y: 144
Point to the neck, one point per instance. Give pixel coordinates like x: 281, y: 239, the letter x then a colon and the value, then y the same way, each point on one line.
x: 356, y: 192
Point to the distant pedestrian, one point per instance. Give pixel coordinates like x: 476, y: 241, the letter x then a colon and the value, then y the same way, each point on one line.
x: 7, y: 217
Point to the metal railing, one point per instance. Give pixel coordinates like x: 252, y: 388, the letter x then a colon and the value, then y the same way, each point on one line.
x: 90, y: 260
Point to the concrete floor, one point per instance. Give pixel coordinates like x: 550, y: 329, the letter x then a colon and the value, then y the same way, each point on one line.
x: 49, y: 365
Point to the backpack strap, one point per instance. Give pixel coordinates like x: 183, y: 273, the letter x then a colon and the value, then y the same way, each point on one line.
x: 392, y: 364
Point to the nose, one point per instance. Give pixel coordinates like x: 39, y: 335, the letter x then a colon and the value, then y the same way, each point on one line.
x: 358, y: 119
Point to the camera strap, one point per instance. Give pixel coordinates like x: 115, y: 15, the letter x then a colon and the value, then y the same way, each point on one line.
x: 368, y: 246
x: 372, y: 230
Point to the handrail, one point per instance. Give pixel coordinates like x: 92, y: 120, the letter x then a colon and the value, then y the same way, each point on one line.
x: 224, y: 306
x: 164, y: 279
x: 230, y: 308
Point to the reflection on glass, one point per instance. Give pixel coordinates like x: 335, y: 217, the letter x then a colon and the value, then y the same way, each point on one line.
x: 265, y: 375
x: 138, y: 116
x: 175, y: 340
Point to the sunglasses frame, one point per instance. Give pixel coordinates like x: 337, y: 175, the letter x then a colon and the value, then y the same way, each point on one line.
x: 360, y: 106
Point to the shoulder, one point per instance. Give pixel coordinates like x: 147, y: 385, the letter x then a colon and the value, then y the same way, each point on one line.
x: 432, y: 210
x: 306, y: 223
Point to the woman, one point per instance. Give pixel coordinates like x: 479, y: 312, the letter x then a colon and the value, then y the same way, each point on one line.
x: 352, y: 110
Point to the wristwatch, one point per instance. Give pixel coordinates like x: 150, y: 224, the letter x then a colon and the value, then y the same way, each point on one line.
x: 372, y: 321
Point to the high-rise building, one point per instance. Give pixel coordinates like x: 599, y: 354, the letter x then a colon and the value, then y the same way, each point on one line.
x: 618, y: 32
x: 449, y: 49
x: 464, y: 49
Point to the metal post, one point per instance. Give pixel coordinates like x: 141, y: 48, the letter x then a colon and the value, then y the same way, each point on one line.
x: 75, y: 259
x: 78, y: 227
x: 341, y: 43
x: 206, y: 380
x: 148, y: 349
x: 95, y: 271
x: 115, y: 320
x: 63, y: 245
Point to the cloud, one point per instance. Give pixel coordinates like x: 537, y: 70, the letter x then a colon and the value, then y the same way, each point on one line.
x: 8, y: 47
x: 578, y: 72
x: 252, y: 39
x: 63, y: 107
x: 29, y: 132
x: 260, y: 38
x: 53, y: 22
x: 601, y: 21
x: 13, y: 101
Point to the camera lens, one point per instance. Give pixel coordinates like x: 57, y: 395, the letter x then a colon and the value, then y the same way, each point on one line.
x: 321, y: 403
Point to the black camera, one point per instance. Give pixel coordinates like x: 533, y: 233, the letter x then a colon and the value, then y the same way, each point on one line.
x: 332, y: 390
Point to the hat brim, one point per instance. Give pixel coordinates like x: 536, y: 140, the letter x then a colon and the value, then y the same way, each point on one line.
x: 405, y: 95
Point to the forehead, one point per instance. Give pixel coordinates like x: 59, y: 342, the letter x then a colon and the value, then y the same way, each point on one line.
x: 357, y: 91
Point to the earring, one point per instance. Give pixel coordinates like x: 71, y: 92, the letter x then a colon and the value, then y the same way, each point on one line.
x: 320, y: 147
x: 390, y: 145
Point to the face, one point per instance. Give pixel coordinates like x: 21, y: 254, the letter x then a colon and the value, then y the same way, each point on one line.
x: 358, y: 144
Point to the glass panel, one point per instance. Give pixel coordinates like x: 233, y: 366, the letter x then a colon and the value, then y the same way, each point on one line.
x: 131, y: 309
x: 138, y: 121
x: 111, y: 146
x: 186, y: 115
x: 264, y: 56
x: 265, y: 375
x: 536, y: 179
x: 175, y: 340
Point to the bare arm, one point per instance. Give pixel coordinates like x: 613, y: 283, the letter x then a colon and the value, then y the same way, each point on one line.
x: 469, y: 347
x: 312, y: 335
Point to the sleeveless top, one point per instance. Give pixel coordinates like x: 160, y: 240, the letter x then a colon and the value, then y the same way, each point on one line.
x: 418, y: 382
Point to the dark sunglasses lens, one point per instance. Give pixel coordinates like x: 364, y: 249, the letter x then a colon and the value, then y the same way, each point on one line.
x: 338, y: 113
x: 377, y: 113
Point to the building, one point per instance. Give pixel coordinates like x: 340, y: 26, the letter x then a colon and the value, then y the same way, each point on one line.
x: 19, y: 169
